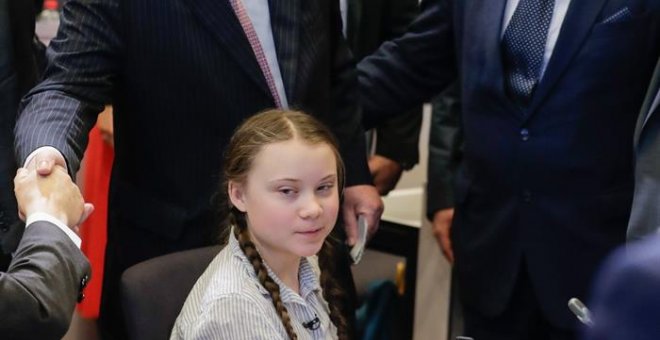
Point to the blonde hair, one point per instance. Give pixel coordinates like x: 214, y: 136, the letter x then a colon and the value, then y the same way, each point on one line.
x: 249, y: 139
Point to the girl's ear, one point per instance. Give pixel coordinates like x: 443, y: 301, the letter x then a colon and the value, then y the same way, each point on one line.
x: 236, y: 195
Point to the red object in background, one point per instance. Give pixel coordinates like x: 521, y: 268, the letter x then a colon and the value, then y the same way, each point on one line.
x: 51, y: 5
x: 98, y: 165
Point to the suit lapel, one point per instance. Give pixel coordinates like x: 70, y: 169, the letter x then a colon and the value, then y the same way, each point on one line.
x: 645, y: 114
x: 285, y: 18
x: 577, y: 24
x: 218, y: 17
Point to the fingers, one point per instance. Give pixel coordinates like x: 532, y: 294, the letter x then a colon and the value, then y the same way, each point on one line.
x: 350, y: 224
x: 442, y: 221
x: 362, y: 200
x: 45, y: 159
x: 447, y: 249
x: 55, y: 194
x: 88, y: 209
x: 373, y: 222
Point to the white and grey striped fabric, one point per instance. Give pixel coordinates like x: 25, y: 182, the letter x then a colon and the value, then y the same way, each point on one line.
x: 228, y: 302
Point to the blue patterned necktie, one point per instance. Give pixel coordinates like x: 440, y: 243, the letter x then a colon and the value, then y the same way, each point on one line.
x: 523, y: 46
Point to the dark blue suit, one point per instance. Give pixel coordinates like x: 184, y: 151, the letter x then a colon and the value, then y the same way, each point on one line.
x: 548, y: 186
x: 181, y: 76
x: 625, y: 302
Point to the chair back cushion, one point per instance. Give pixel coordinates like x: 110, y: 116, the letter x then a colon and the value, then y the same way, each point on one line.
x: 154, y: 291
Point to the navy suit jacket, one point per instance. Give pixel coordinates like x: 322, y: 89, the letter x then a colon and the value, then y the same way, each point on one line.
x: 625, y: 301
x: 548, y: 186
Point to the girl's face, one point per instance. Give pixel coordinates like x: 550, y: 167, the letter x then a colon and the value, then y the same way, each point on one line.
x: 291, y: 199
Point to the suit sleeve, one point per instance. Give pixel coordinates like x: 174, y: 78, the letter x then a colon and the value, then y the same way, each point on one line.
x: 445, y: 150
x: 41, y: 287
x: 82, y: 66
x: 398, y: 137
x: 408, y: 70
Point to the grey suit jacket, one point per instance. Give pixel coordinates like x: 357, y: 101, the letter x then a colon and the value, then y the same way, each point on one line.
x: 645, y: 214
x: 40, y: 289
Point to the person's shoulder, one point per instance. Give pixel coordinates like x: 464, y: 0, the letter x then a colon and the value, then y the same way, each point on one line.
x: 228, y: 276
x: 639, y: 255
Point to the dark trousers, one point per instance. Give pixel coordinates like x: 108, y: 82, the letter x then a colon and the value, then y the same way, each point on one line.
x: 522, y: 319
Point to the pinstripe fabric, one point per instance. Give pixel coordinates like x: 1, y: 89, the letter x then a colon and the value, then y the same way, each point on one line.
x: 181, y: 76
x: 228, y: 302
x: 286, y: 31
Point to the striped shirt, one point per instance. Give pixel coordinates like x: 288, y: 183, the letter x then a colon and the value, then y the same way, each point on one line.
x: 228, y: 302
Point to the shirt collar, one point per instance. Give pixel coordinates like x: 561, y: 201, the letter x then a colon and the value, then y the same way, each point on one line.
x: 308, y: 274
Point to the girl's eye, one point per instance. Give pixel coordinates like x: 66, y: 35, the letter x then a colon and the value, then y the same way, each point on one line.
x: 287, y: 191
x: 325, y: 187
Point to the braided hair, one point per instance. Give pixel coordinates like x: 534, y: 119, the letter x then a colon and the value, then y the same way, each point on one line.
x: 256, y: 132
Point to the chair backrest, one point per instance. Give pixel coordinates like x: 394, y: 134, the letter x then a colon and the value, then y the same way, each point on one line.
x: 153, y: 291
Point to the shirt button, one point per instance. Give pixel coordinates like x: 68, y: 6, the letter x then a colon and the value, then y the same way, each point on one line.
x: 526, y: 196
x: 524, y: 135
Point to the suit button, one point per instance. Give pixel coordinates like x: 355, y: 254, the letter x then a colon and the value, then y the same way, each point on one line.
x: 526, y: 196
x: 524, y: 135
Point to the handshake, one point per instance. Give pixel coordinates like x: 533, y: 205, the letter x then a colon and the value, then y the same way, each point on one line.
x: 53, y: 194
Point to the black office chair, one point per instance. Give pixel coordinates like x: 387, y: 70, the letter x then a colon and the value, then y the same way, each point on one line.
x: 153, y: 291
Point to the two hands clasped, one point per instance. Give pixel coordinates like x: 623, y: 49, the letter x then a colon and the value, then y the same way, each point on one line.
x: 51, y: 191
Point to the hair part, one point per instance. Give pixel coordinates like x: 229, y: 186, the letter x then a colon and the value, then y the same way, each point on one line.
x: 258, y: 131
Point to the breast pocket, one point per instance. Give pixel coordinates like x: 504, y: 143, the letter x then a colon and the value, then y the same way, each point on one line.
x: 616, y: 29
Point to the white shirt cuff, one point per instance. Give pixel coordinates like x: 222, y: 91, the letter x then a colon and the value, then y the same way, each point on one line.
x: 44, y: 217
x: 33, y: 153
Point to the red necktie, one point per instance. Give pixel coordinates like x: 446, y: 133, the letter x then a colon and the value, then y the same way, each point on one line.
x: 251, y: 34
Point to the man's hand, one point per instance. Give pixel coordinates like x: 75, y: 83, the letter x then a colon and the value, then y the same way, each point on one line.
x: 44, y: 160
x: 442, y: 220
x: 385, y: 172
x: 54, y: 194
x: 361, y: 200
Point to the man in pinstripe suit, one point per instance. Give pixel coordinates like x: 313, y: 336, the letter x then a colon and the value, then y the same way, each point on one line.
x: 181, y: 75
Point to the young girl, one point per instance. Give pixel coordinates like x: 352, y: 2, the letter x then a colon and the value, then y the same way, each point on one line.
x: 283, y: 178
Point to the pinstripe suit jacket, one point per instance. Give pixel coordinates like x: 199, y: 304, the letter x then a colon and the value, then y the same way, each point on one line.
x: 181, y: 76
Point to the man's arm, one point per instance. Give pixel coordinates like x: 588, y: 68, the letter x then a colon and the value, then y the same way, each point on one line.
x: 360, y: 196
x: 48, y: 271
x: 42, y: 285
x: 408, y: 70
x: 82, y: 65
x: 397, y: 138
